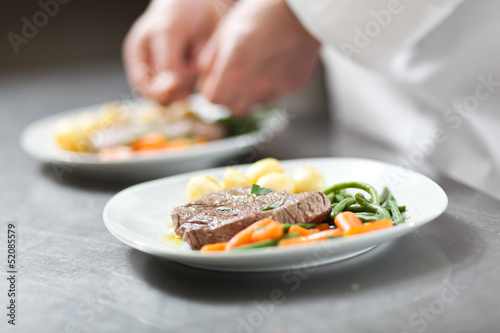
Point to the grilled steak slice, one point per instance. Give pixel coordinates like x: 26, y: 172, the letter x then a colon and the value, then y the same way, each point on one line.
x: 216, y: 217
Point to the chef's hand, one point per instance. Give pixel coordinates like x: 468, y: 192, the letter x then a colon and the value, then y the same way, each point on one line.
x: 258, y: 52
x: 162, y: 47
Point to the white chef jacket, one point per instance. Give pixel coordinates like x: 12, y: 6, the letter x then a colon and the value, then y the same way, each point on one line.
x: 422, y: 76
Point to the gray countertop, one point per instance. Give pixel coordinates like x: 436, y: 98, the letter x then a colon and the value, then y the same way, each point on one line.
x: 74, y: 276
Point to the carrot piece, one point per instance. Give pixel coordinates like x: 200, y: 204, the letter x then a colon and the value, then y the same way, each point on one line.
x: 179, y: 143
x: 370, y: 226
x: 217, y: 247
x: 115, y: 153
x: 301, y: 230
x: 326, y: 234
x: 273, y: 230
x: 323, y: 226
x: 293, y: 241
x: 150, y: 141
x: 347, y: 220
x: 313, y: 238
x: 245, y: 236
x: 201, y: 140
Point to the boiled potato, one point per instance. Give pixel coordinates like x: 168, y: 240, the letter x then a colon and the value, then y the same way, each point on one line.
x: 277, y: 181
x: 200, y: 185
x: 111, y: 114
x: 71, y: 136
x: 306, y: 178
x: 263, y: 167
x: 234, y: 178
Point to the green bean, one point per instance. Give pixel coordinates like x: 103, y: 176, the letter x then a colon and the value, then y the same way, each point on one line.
x: 339, y: 197
x: 384, y: 195
x: 345, y: 194
x: 331, y: 196
x: 286, y: 226
x: 396, y: 214
x: 341, y: 206
x: 265, y: 243
x: 375, y: 199
x: 366, y: 217
x: 381, y: 212
x: 357, y: 208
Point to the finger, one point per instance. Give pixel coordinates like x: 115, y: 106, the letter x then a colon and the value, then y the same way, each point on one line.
x: 258, y: 90
x: 241, y: 107
x: 171, y: 78
x: 136, y: 56
x: 206, y: 59
x: 224, y: 80
x: 218, y: 90
x: 167, y: 51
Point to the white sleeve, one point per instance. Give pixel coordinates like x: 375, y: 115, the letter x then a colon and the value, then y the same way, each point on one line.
x: 371, y: 31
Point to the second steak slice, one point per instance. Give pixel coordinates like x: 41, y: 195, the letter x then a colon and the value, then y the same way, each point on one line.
x: 218, y: 216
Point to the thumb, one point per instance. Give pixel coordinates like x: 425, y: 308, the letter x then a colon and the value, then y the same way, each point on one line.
x: 167, y: 86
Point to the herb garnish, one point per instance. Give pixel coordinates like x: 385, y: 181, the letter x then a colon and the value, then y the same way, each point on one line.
x: 274, y: 205
x: 257, y: 190
x: 224, y: 208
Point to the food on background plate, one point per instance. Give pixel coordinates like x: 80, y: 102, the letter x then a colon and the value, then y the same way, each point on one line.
x: 245, y: 217
x: 121, y: 131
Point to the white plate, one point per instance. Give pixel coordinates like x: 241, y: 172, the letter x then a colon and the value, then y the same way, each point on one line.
x: 138, y: 216
x: 38, y: 140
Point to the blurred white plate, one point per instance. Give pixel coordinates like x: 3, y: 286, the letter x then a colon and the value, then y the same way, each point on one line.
x: 138, y: 216
x: 38, y: 140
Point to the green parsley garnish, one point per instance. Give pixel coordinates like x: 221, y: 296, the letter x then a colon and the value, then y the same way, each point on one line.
x: 274, y: 205
x: 257, y: 190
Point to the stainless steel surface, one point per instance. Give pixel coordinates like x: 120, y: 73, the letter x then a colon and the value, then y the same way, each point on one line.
x: 75, y: 277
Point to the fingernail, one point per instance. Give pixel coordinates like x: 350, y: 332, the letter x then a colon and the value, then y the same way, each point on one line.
x: 162, y: 81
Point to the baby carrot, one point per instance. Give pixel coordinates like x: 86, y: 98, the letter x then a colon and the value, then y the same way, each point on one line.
x: 150, y: 141
x: 326, y: 234
x: 302, y: 231
x: 313, y: 238
x: 213, y: 247
x: 370, y: 226
x: 245, y: 236
x: 179, y: 143
x: 347, y: 220
x: 272, y: 230
x: 323, y: 226
x: 200, y: 140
